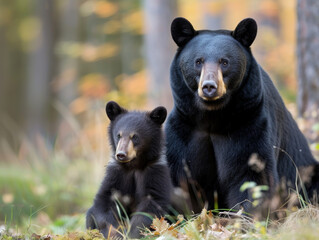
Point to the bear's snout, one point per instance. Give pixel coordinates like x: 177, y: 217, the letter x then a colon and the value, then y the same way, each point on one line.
x: 211, y: 84
x: 209, y: 88
x: 121, y: 156
x: 125, y: 151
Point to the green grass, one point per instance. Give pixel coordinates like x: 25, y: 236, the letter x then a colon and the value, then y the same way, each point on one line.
x: 47, y: 197
x: 56, y: 188
x: 48, y: 200
x: 302, y: 224
x: 45, y: 187
x: 45, y: 192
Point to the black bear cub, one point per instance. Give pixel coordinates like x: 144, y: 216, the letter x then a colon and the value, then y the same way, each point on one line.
x: 137, y: 175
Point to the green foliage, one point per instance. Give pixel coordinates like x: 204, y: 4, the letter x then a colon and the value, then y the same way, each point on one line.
x: 247, y: 185
x: 67, y: 223
x: 53, y: 188
x: 255, y: 190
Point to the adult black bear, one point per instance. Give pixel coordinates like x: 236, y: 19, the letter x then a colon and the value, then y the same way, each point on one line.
x: 137, y: 173
x: 227, y: 109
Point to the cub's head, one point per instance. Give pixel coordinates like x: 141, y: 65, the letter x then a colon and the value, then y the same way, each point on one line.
x: 213, y: 63
x: 136, y: 137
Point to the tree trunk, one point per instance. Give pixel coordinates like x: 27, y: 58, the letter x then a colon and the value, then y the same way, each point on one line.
x: 40, y: 73
x: 159, y: 49
x: 308, y: 55
x: 65, y: 83
x: 308, y: 64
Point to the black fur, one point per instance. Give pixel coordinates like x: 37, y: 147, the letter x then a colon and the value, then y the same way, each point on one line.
x: 144, y: 182
x: 216, y: 139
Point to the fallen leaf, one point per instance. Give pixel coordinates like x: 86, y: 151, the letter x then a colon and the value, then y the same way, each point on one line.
x: 35, y: 236
x: 159, y: 225
x: 220, y: 232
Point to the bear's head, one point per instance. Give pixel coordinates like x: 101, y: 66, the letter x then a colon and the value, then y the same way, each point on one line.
x: 136, y: 137
x: 213, y: 64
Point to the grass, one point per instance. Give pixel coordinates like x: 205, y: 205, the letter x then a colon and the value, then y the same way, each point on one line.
x: 55, y: 210
x: 46, y: 190
x: 301, y: 224
x: 53, y: 199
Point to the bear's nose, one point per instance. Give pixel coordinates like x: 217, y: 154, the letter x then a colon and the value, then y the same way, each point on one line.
x: 209, y: 88
x: 121, y: 156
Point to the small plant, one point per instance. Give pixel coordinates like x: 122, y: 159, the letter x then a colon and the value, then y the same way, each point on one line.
x: 256, y: 191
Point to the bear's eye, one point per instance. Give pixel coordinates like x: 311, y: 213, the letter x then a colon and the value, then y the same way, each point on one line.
x: 223, y: 62
x: 199, y: 61
x: 135, y: 139
x: 118, y: 136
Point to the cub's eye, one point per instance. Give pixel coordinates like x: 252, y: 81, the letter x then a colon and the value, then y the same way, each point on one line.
x: 118, y: 136
x: 199, y: 61
x: 223, y: 62
x: 135, y: 139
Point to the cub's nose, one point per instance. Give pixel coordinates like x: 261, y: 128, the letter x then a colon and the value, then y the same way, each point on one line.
x: 121, y: 156
x: 209, y: 88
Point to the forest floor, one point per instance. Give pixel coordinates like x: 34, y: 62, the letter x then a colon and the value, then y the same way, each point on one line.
x: 299, y: 224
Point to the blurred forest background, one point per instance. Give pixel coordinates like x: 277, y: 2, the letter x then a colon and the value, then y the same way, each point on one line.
x: 61, y: 61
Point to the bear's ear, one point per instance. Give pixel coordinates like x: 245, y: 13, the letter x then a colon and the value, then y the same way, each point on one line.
x: 113, y: 110
x: 182, y: 31
x: 158, y: 115
x: 246, y: 32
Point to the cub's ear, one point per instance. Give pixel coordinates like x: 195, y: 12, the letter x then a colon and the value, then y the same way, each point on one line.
x: 113, y: 110
x: 158, y: 115
x: 246, y: 32
x: 182, y: 31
